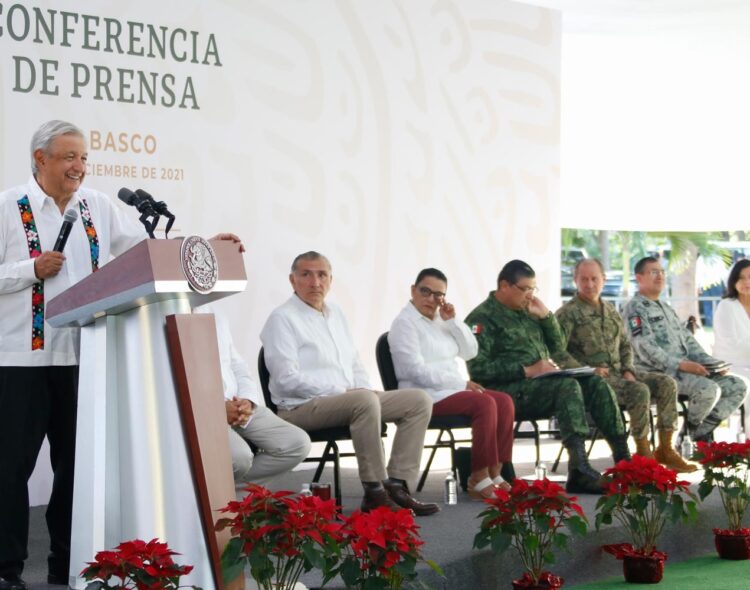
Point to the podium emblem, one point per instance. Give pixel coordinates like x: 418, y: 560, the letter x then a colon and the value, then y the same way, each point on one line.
x: 199, y: 264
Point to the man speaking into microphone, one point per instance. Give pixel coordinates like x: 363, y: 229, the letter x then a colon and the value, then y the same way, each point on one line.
x: 39, y: 363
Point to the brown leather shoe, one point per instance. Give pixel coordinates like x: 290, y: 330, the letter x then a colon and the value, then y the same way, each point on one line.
x: 401, y: 496
x: 375, y: 498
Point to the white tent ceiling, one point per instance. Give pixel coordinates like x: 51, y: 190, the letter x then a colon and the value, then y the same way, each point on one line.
x: 655, y: 114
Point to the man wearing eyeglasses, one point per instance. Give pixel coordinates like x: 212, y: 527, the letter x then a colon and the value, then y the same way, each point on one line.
x: 662, y: 343
x: 517, y: 336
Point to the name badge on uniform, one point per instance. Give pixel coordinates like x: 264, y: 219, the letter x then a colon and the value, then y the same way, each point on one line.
x: 635, y: 325
x: 476, y: 329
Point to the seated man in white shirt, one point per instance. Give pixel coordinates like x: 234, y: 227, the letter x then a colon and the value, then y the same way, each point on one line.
x: 317, y: 381
x: 281, y: 446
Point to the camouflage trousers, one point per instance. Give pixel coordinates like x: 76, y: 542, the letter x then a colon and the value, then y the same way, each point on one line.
x: 637, y: 396
x: 711, y: 399
x: 568, y: 399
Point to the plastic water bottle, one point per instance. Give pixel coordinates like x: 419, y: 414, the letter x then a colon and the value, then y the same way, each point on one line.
x: 451, y: 495
x: 686, y: 447
x: 305, y: 491
x: 540, y: 471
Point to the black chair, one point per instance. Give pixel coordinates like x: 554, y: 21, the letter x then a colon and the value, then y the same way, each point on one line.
x: 444, y: 424
x: 330, y: 436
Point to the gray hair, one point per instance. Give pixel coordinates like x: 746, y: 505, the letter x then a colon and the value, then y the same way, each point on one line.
x: 311, y: 255
x: 47, y: 133
x: 587, y: 261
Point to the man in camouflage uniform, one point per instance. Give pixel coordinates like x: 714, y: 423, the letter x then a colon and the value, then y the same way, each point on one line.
x: 662, y: 343
x: 595, y: 337
x: 516, y: 335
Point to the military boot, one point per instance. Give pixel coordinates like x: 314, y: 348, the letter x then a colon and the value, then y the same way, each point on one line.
x: 582, y: 478
x: 643, y: 448
x: 667, y: 456
x: 619, y: 446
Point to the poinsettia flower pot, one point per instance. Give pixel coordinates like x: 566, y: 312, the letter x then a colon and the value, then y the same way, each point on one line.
x: 643, y: 569
x: 547, y: 581
x: 638, y: 567
x: 732, y: 544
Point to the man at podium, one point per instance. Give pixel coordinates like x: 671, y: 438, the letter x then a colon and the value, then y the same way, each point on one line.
x: 39, y: 363
x: 53, y: 234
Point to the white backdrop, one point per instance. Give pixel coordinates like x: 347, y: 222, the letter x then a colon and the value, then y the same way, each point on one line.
x: 388, y: 135
x: 655, y: 124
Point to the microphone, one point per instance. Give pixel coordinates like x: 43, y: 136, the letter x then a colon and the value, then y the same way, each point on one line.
x: 160, y: 207
x: 144, y: 208
x: 70, y: 217
x: 139, y: 202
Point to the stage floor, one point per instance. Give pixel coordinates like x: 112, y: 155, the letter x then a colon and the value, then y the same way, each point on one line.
x: 449, y: 535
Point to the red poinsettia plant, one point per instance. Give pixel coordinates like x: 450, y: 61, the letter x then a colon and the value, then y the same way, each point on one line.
x: 727, y: 467
x: 643, y: 496
x: 135, y: 565
x: 532, y: 519
x: 280, y: 536
x: 383, y: 550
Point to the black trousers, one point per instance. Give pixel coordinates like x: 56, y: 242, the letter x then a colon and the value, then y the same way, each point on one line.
x: 36, y: 402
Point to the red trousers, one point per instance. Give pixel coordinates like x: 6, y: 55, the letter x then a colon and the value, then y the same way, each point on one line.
x: 492, y: 418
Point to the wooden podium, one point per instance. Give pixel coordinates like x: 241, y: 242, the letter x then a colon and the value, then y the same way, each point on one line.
x: 152, y: 451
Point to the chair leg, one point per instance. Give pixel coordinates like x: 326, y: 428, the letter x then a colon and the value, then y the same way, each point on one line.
x: 336, y: 474
x: 324, y: 458
x: 556, y: 464
x: 537, y: 442
x: 593, y: 441
x: 452, y: 442
x: 433, y: 450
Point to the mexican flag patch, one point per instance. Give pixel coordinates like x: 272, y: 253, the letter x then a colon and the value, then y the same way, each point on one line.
x: 476, y: 329
x: 635, y: 325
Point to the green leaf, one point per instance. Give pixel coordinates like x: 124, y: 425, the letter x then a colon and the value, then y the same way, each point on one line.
x: 577, y: 525
x: 531, y: 542
x: 232, y: 561
x: 704, y: 489
x: 560, y: 540
x: 350, y: 571
x: 313, y: 556
x: 501, y: 542
x: 375, y: 584
x: 435, y: 567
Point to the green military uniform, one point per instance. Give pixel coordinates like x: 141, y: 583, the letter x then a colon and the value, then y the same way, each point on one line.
x: 595, y: 337
x: 660, y: 342
x: 510, y: 340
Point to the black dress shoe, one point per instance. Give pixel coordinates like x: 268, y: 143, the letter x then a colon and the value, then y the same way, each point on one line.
x: 399, y: 493
x: 12, y: 582
x: 57, y: 579
x: 376, y: 498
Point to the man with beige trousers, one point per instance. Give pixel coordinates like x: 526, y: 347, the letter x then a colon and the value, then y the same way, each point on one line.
x: 317, y: 381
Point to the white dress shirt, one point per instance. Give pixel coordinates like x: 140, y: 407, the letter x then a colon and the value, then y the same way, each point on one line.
x: 310, y: 354
x: 116, y: 234
x: 426, y: 352
x: 732, y: 333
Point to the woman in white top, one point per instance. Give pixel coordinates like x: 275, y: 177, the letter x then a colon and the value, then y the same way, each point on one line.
x: 428, y: 344
x: 732, y: 325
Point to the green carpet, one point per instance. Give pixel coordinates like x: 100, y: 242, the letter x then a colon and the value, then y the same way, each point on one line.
x: 704, y: 573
